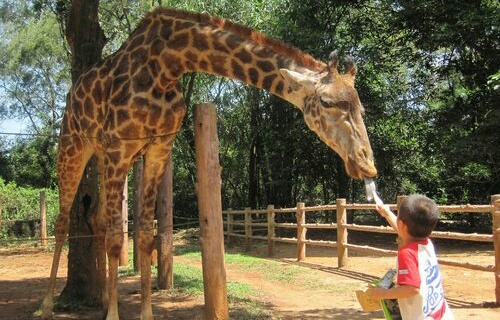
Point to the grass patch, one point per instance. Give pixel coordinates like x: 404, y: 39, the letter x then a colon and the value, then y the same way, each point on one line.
x: 271, y: 270
x: 188, y: 251
x: 188, y: 279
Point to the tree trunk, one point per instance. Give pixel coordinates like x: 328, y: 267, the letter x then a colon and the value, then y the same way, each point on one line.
x: 82, y: 285
x: 86, y: 40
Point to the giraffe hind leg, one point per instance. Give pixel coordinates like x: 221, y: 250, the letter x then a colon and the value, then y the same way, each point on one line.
x: 70, y: 166
x: 112, y: 191
x: 155, y: 161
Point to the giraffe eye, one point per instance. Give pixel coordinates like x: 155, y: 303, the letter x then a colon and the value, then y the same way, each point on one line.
x: 327, y: 103
x: 343, y: 105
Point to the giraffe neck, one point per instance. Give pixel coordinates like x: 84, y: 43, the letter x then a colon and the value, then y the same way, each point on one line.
x: 176, y: 42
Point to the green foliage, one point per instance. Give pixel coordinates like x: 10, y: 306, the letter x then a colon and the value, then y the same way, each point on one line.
x: 32, y: 162
x: 21, y: 203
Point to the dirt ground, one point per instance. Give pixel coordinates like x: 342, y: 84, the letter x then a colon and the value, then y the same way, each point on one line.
x: 320, y: 291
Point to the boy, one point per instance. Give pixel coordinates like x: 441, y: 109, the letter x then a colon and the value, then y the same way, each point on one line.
x: 419, y: 290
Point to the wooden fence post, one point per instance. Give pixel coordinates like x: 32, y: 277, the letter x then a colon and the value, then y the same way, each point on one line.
x: 495, y: 213
x: 248, y: 229
x: 208, y: 188
x: 43, y: 219
x: 270, y: 230
x: 343, y: 255
x: 301, y: 231
x: 229, y: 225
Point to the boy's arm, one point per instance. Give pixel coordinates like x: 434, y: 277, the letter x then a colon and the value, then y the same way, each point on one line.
x: 386, y: 212
x: 400, y: 292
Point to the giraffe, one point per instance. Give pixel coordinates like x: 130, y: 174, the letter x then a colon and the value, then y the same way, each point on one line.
x: 130, y: 104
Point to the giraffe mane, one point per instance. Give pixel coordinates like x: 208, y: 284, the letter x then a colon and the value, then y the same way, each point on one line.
x: 277, y: 46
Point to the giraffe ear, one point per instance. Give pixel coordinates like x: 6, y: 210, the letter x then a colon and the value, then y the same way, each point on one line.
x: 298, y: 81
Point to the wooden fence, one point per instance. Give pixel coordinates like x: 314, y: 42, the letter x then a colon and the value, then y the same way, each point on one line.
x: 243, y: 224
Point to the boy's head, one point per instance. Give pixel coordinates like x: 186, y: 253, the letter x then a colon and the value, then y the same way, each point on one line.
x: 420, y: 214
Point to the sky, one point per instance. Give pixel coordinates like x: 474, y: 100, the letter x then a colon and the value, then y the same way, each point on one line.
x: 11, y: 126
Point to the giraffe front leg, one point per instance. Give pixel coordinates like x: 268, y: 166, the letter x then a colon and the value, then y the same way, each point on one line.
x: 70, y: 167
x: 146, y: 241
x: 114, y: 242
x: 100, y: 246
x: 99, y: 226
x: 62, y: 225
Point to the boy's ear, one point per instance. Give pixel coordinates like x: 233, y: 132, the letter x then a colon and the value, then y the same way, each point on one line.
x: 401, y: 225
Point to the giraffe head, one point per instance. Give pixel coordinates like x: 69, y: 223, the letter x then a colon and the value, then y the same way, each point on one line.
x: 332, y: 109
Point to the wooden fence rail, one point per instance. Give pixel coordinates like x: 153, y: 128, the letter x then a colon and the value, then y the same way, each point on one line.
x: 244, y: 223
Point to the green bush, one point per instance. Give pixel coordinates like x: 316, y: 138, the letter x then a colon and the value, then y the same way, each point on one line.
x: 20, y: 203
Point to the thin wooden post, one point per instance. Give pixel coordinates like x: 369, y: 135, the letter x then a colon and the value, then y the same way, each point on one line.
x: 43, y: 219
x: 270, y: 230
x: 495, y: 213
x: 154, y: 253
x: 248, y: 229
x: 301, y: 231
x: 165, y: 238
x: 343, y: 254
x: 123, y: 260
x: 229, y: 225
x: 138, y: 201
x: 208, y: 187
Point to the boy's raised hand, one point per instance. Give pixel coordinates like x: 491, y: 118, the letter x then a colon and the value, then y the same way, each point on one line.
x: 383, y: 209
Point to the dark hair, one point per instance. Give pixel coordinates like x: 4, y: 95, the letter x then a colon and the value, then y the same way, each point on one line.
x: 420, y: 214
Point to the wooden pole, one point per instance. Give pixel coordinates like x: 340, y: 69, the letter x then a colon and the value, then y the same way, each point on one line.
x: 301, y: 231
x: 154, y: 253
x: 229, y: 222
x: 343, y: 255
x: 495, y: 213
x: 43, y: 219
x: 138, y: 200
x: 123, y: 260
x: 165, y: 238
x: 208, y: 173
x: 270, y: 230
x: 248, y: 229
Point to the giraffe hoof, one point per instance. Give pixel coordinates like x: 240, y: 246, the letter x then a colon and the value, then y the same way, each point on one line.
x: 47, y: 315
x: 47, y: 307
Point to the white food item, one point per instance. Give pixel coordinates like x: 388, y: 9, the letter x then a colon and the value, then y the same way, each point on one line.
x: 371, y: 192
x: 370, y: 189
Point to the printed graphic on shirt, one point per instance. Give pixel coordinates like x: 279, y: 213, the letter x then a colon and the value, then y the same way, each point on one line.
x: 435, y: 294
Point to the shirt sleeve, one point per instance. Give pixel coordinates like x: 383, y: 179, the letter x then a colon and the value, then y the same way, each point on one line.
x: 408, y: 273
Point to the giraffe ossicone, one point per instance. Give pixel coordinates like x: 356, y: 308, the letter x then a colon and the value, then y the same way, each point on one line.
x: 130, y: 104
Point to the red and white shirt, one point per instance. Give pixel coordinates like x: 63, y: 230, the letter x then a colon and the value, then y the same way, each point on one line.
x: 418, y: 267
